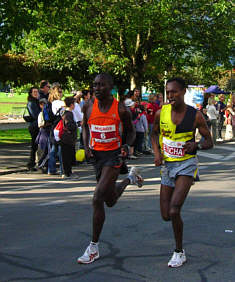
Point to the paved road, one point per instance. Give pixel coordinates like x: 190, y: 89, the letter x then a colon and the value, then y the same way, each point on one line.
x: 45, y: 224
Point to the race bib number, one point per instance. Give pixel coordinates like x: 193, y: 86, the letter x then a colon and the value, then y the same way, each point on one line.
x: 103, y: 133
x: 173, y: 149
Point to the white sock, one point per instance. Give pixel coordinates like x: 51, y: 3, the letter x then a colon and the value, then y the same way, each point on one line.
x: 130, y: 177
x: 94, y: 244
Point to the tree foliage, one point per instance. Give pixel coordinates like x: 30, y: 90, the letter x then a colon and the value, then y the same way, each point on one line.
x: 135, y: 40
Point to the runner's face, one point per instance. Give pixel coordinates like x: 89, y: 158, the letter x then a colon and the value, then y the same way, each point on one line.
x: 102, y: 87
x: 175, y: 93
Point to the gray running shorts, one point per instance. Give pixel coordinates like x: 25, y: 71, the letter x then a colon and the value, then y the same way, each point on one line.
x: 171, y: 170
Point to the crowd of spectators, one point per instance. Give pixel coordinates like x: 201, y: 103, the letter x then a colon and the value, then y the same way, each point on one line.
x: 51, y: 142
x: 219, y: 114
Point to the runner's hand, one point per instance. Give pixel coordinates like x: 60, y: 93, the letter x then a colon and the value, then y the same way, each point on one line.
x: 125, y: 151
x: 88, y: 153
x: 190, y: 147
x: 158, y: 159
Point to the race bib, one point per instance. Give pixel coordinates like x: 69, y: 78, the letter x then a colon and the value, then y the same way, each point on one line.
x: 103, y: 133
x: 173, y: 149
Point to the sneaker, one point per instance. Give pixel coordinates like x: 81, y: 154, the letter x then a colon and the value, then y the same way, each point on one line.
x: 137, y: 153
x: 52, y: 173
x: 74, y: 176
x: 64, y: 176
x: 132, y: 157
x: 32, y: 169
x: 135, y: 177
x: 90, y: 255
x: 177, y: 259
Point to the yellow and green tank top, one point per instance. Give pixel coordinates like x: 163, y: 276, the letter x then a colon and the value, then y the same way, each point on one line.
x: 173, y: 137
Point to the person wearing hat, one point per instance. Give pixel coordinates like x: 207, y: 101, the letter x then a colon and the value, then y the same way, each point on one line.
x: 130, y: 104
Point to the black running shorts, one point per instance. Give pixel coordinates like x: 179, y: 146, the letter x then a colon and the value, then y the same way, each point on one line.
x: 105, y: 158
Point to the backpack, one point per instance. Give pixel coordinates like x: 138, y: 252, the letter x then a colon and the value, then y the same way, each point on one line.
x: 57, y: 125
x: 59, y: 130
x: 47, y: 113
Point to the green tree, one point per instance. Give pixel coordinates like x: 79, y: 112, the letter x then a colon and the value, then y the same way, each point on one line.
x: 135, y: 40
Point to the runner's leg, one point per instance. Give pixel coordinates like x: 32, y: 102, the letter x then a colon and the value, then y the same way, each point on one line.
x: 105, y: 192
x: 180, y: 192
x: 165, y: 199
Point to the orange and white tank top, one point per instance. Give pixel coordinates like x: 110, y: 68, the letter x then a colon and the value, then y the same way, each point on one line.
x: 105, y: 128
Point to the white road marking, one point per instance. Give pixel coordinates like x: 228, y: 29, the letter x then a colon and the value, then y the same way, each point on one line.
x: 152, y: 179
x: 210, y: 155
x: 202, y: 167
x: 57, y: 202
x: 229, y: 157
x: 227, y: 148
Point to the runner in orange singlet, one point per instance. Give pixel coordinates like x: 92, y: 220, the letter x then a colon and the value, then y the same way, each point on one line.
x: 103, y: 119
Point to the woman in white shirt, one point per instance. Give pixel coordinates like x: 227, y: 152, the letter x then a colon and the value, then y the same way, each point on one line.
x: 212, y: 114
x: 54, y: 98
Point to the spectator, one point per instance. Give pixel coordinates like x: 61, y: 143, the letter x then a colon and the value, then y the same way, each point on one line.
x: 86, y: 95
x: 135, y: 96
x: 159, y: 100
x: 43, y: 137
x: 130, y: 106
x: 44, y: 89
x: 77, y: 112
x: 221, y: 107
x: 78, y: 116
x: 152, y: 108
x: 141, y: 126
x: 212, y: 114
x: 34, y: 110
x: 68, y: 138
x: 57, y: 105
x: 229, y: 113
x: 233, y: 117
x: 55, y: 98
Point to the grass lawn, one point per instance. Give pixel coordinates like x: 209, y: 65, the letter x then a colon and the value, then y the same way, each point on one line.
x: 14, y: 136
x: 12, y: 107
x: 7, y: 98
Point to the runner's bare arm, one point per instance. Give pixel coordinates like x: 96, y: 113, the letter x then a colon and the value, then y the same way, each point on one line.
x: 85, y: 129
x: 155, y: 139
x: 200, y: 123
x: 204, y: 131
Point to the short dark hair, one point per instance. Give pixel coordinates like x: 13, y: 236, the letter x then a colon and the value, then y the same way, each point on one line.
x: 107, y: 76
x: 69, y: 101
x: 179, y: 80
x: 84, y: 93
x: 43, y: 83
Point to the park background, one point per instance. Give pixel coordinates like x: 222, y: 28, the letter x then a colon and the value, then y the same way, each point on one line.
x: 140, y: 43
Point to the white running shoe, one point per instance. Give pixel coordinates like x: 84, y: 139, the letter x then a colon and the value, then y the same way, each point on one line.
x: 177, y: 259
x: 90, y: 255
x: 135, y: 177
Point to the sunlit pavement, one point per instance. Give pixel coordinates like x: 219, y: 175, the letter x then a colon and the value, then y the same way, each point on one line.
x: 45, y: 224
